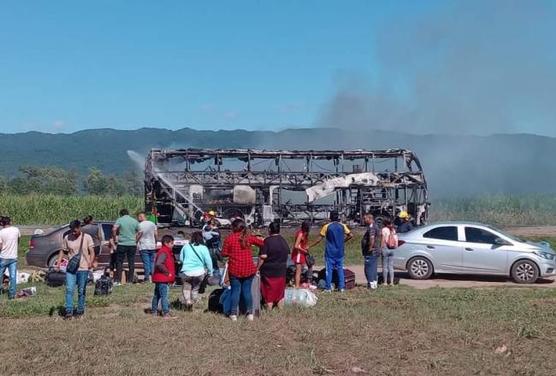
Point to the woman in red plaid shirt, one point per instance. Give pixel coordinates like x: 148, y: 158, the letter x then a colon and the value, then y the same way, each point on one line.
x: 241, y: 268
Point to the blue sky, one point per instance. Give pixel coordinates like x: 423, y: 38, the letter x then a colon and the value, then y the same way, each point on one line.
x: 70, y: 65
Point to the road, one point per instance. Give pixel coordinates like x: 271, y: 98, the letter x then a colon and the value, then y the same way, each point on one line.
x: 448, y: 281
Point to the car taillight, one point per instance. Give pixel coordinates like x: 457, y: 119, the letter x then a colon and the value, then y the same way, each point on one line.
x: 400, y: 243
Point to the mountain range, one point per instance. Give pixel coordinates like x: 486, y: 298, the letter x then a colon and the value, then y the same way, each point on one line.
x: 455, y: 165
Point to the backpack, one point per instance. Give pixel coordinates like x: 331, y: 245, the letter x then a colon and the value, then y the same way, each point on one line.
x: 392, y: 239
x: 103, y: 286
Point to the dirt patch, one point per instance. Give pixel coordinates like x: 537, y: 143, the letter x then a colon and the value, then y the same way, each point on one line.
x: 533, y: 231
x: 450, y: 281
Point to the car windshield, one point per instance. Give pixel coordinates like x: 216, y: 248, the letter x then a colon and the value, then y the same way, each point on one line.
x: 514, y: 238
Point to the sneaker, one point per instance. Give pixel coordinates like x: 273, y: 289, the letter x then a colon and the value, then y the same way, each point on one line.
x: 250, y: 317
x: 117, y: 284
x: 68, y: 316
x: 328, y: 291
x: 233, y: 317
x: 342, y: 290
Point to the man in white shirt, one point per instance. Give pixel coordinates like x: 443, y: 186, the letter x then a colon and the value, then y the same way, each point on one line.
x: 9, y: 243
x: 146, y: 243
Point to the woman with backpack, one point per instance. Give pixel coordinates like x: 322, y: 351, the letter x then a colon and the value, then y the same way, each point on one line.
x: 388, y: 244
x: 241, y: 268
x: 196, y: 266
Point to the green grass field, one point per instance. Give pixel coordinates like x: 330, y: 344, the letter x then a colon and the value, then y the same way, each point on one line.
x: 54, y: 210
x: 394, y: 331
x: 502, y: 210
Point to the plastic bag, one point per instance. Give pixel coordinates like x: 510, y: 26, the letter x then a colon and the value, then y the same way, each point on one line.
x: 302, y: 297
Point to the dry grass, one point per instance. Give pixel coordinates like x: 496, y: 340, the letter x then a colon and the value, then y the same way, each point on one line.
x: 397, y: 331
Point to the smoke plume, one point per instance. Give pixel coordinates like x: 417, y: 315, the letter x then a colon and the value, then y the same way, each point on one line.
x: 474, y: 66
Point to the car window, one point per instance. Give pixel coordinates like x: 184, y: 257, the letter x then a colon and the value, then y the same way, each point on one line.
x: 107, y: 230
x: 443, y: 233
x: 478, y: 235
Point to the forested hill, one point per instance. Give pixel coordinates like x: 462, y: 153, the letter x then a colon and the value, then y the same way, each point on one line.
x: 455, y: 165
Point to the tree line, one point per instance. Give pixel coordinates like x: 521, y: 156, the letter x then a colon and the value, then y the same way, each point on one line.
x: 59, y: 181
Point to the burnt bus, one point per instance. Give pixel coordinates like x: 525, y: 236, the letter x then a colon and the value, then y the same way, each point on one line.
x: 262, y: 186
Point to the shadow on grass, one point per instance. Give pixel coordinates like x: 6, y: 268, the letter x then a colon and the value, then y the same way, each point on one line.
x: 57, y: 311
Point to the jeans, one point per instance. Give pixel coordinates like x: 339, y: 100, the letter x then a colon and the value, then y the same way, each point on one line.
x: 147, y: 255
x: 190, y: 288
x: 338, y: 264
x: 121, y: 252
x: 161, y: 295
x: 371, y: 264
x: 214, y: 257
x: 11, y: 265
x: 79, y: 279
x: 241, y: 288
x: 388, y: 265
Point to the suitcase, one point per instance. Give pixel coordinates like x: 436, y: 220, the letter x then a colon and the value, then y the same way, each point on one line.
x: 54, y: 278
x: 349, y: 278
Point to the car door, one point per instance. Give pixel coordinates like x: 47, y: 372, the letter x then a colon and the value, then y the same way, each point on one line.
x: 443, y: 246
x: 481, y: 254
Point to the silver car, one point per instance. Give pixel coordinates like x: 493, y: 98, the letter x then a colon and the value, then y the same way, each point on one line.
x: 472, y: 248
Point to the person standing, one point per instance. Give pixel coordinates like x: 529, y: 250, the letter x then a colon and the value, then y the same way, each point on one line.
x: 75, y: 243
x: 153, y: 215
x: 273, y: 265
x: 9, y: 244
x: 125, y: 230
x: 95, y: 230
x: 405, y: 223
x: 146, y: 244
x: 164, y: 274
x: 196, y: 264
x: 241, y: 268
x: 211, y: 235
x: 336, y: 235
x: 370, y: 248
x: 301, y: 251
x: 389, y: 242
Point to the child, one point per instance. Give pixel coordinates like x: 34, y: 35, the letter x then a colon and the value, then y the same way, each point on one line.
x: 164, y: 274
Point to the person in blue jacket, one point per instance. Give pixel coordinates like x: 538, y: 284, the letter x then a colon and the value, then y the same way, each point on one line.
x: 196, y: 263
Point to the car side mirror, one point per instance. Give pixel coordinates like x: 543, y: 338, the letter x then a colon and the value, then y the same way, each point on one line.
x: 500, y: 242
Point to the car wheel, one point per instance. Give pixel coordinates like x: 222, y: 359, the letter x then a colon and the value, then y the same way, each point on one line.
x: 52, y: 260
x: 525, y: 271
x: 419, y: 268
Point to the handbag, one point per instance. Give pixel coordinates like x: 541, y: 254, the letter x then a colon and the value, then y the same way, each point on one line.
x: 75, y: 261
